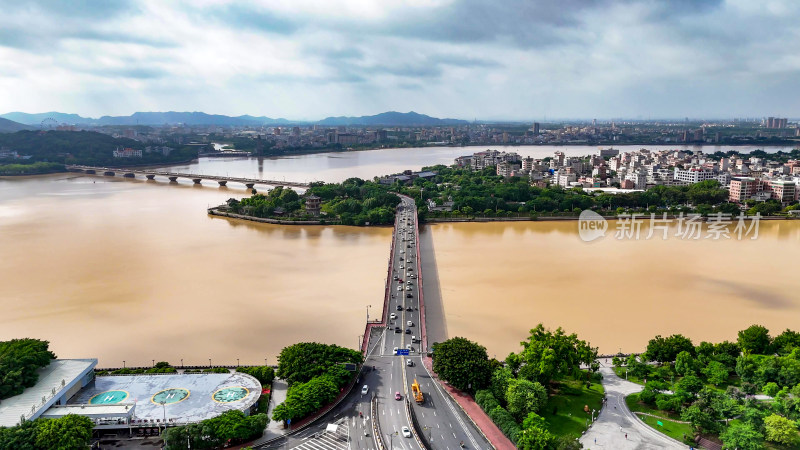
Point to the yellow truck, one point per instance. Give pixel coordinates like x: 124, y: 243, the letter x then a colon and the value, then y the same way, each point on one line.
x: 418, y: 397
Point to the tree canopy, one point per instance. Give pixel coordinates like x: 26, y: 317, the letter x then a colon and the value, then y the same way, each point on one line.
x: 301, y: 362
x: 462, y: 363
x: 548, y: 355
x: 71, y: 432
x: 19, y: 361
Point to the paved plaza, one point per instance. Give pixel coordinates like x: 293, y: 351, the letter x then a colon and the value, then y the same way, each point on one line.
x: 180, y: 398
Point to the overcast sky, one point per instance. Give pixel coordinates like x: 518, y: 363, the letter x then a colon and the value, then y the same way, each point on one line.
x: 485, y: 59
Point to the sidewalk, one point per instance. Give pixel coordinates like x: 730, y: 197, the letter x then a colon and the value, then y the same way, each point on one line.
x: 474, y: 412
x: 616, y: 427
x: 274, y: 428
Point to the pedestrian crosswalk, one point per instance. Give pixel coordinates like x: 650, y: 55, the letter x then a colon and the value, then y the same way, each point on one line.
x: 327, y: 440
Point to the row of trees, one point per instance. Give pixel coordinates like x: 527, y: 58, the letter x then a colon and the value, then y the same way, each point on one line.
x: 316, y: 374
x: 485, y: 193
x: 20, y: 359
x: 70, y: 432
x: 515, y: 395
x: 229, y: 428
x: 689, y: 380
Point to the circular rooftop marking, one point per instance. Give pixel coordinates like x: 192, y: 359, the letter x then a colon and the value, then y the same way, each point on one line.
x: 230, y: 394
x: 108, y: 398
x: 170, y: 396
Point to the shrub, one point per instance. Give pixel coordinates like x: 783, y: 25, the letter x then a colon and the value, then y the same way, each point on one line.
x: 505, y: 422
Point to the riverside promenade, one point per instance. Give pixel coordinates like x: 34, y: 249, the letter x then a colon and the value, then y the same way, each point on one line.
x: 616, y: 427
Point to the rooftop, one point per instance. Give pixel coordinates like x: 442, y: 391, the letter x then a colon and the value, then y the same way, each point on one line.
x: 54, y: 380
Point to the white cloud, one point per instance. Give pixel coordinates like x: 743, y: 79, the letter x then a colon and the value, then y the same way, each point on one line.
x: 312, y: 58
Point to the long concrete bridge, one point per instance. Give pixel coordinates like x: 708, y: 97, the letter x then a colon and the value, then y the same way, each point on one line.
x: 150, y: 174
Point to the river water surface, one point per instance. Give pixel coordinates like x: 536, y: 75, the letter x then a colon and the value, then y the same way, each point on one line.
x: 135, y: 271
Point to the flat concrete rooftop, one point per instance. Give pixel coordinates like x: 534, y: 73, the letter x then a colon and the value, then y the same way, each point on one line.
x: 58, y: 377
x: 186, y: 397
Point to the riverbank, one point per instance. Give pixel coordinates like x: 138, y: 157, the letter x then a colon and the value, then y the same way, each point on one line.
x: 568, y: 218
x: 216, y: 211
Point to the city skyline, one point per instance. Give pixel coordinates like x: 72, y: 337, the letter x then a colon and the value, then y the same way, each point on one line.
x: 515, y: 61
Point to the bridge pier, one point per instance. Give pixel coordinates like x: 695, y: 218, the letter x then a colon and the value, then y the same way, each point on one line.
x: 108, y: 173
x: 222, y: 182
x: 129, y: 175
x: 150, y: 176
x: 249, y: 185
x: 197, y: 180
x: 173, y: 179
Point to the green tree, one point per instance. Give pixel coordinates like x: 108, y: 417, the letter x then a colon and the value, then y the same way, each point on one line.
x: 771, y: 389
x: 754, y: 340
x: 306, y: 360
x: 70, y: 432
x: 20, y: 360
x: 462, y: 363
x: 781, y: 430
x: 666, y: 349
x: 534, y: 435
x: 501, y: 378
x: 684, y: 363
x: 786, y: 341
x: 716, y: 373
x: 524, y: 397
x: 637, y: 368
x: 20, y: 437
x: 700, y: 419
x: 742, y: 436
x: 550, y: 355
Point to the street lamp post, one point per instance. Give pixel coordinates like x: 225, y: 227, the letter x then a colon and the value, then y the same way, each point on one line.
x: 368, y: 307
x: 237, y: 362
x: 123, y: 363
x: 164, y: 408
x: 209, y: 363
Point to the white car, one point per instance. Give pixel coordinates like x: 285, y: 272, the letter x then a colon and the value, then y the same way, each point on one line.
x: 364, y: 390
x: 400, y: 288
x: 408, y: 288
x: 393, y: 316
x: 406, y: 432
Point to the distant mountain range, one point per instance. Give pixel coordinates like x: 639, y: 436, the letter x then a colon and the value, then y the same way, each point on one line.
x: 8, y: 126
x: 391, y: 118
x: 201, y: 118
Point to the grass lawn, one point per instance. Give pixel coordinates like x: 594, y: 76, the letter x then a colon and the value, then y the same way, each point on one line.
x: 620, y: 371
x: 569, y: 418
x: 672, y: 429
x: 634, y: 405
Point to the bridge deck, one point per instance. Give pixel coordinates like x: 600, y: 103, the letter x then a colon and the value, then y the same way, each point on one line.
x: 191, y: 176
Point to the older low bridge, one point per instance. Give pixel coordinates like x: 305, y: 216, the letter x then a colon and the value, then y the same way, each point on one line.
x: 173, y: 176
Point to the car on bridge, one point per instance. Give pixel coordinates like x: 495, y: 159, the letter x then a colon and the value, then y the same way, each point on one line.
x: 406, y: 432
x: 397, y: 396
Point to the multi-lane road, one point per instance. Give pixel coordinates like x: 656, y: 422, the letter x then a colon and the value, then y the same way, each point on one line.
x: 388, y: 376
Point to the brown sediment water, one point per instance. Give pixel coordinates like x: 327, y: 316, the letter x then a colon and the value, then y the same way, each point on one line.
x: 136, y: 271
x: 499, y: 280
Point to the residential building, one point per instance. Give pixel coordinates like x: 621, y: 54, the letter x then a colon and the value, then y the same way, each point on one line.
x: 742, y: 188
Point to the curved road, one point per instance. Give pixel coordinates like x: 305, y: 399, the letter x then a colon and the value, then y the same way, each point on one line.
x: 615, y: 421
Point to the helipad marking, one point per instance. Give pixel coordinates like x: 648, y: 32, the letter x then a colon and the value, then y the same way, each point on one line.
x: 108, y: 398
x: 230, y: 394
x: 170, y: 396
